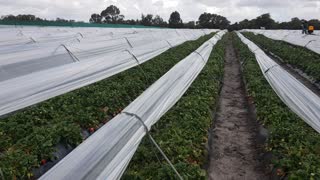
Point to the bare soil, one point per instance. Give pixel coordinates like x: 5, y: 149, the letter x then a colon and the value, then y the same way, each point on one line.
x: 233, y: 150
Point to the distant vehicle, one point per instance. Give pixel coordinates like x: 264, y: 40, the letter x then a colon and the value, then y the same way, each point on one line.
x: 310, y: 29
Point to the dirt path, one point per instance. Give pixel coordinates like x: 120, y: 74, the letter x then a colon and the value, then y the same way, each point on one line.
x: 233, y: 153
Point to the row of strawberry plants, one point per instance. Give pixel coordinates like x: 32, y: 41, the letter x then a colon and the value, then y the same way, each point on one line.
x: 182, y: 132
x: 298, y: 57
x: 295, y: 145
x: 29, y: 137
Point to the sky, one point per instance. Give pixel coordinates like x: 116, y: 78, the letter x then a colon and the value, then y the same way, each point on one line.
x: 190, y: 10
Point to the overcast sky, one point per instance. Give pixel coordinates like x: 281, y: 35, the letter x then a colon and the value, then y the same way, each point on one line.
x: 234, y: 10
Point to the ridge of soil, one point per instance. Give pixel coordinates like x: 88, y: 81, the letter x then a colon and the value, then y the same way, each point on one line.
x: 233, y: 150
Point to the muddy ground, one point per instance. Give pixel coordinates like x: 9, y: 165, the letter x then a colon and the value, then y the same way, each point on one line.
x: 233, y: 150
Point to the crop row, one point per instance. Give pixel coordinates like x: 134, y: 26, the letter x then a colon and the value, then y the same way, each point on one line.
x: 29, y: 138
x: 295, y: 146
x: 298, y: 57
x: 182, y: 132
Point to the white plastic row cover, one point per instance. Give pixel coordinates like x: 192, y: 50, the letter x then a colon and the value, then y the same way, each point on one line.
x: 300, y: 99
x: 34, y: 87
x: 106, y: 154
x: 11, y: 35
x: 24, y: 58
x: 294, y: 37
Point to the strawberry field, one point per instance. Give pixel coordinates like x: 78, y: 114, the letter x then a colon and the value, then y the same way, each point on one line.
x: 91, y: 118
x: 295, y: 146
x: 298, y: 57
x: 30, y: 137
x: 183, y: 132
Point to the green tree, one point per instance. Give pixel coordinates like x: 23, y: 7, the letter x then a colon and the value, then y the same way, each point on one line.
x: 112, y: 15
x: 295, y: 23
x: 246, y: 24
x: 158, y: 21
x: 175, y: 20
x: 213, y: 21
x: 95, y: 18
x: 146, y: 20
x: 204, y: 20
x: 190, y: 25
x: 266, y: 21
x: 131, y: 22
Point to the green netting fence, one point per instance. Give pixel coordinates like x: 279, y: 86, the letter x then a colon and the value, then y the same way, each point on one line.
x: 70, y: 24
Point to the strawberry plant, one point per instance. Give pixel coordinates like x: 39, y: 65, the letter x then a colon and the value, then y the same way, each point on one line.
x: 298, y: 57
x: 182, y: 132
x: 294, y: 144
x: 30, y: 136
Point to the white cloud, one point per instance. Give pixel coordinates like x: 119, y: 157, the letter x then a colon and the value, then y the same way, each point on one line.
x: 234, y: 10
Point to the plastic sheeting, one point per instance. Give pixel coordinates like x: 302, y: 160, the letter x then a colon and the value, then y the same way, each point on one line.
x: 33, y: 72
x: 50, y: 48
x: 106, y: 154
x: 293, y: 93
x: 294, y: 37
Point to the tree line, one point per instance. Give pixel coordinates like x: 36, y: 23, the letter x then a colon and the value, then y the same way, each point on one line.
x: 265, y: 21
x: 206, y: 20
x: 112, y: 15
x: 30, y: 18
